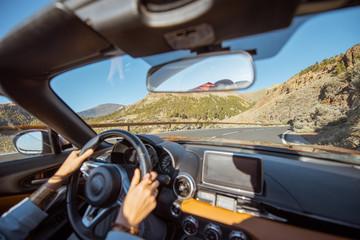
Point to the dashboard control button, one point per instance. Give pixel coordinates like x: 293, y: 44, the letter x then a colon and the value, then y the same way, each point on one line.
x: 175, y: 210
x: 190, y: 225
x: 212, y: 232
x: 238, y: 235
x: 226, y: 202
x: 205, y: 196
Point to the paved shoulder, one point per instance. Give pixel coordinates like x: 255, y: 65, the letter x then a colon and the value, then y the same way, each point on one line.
x: 291, y: 137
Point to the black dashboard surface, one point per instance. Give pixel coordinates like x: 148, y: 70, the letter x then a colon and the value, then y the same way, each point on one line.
x: 294, y: 186
x: 303, y: 185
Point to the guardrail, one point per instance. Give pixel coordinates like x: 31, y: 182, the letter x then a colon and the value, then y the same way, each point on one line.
x: 19, y: 128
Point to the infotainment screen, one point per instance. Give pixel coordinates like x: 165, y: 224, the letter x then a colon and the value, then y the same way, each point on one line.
x: 238, y: 172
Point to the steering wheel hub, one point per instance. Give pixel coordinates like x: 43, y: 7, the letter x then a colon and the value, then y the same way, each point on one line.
x: 97, y: 184
x: 103, y: 186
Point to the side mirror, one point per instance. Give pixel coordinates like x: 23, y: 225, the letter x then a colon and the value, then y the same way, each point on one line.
x: 36, y: 142
x: 32, y: 142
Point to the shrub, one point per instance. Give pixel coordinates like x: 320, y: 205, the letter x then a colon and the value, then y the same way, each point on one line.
x: 337, y: 137
x: 305, y: 129
x: 287, y: 121
x: 298, y: 125
x: 340, y: 68
x: 355, y: 78
x: 6, y: 144
x: 332, y: 89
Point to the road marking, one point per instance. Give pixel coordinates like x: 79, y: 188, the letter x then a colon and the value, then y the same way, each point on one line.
x: 230, y: 133
x: 248, y: 130
x: 260, y: 129
x: 8, y: 153
x: 213, y: 137
x: 283, y: 137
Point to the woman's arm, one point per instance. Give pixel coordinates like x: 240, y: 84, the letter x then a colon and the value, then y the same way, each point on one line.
x: 26, y: 215
x: 47, y: 191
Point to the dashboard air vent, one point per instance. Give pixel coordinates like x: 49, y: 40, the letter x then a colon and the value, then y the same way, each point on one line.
x: 184, y: 186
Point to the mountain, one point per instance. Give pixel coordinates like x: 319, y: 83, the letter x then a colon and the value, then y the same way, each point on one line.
x: 197, y: 106
x: 324, y: 98
x: 259, y: 94
x: 11, y: 115
x: 101, y: 110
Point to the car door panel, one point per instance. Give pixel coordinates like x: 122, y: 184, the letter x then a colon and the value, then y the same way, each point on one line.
x: 19, y: 178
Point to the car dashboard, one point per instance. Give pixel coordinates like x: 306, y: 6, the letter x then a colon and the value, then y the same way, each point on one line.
x: 222, y: 191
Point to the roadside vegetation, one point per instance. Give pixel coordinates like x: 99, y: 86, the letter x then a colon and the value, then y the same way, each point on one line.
x: 174, y: 107
x: 336, y: 114
x: 345, y: 131
x: 319, y: 66
x: 6, y: 144
x: 206, y: 108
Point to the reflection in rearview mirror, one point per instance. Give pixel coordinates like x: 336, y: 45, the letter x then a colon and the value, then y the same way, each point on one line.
x: 206, y: 72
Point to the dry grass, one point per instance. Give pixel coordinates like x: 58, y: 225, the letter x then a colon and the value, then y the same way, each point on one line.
x: 6, y: 143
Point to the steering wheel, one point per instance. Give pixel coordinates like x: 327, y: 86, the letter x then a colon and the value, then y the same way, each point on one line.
x: 105, y: 188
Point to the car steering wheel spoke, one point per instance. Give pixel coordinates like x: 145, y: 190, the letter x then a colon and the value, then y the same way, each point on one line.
x: 87, y: 167
x: 93, y: 215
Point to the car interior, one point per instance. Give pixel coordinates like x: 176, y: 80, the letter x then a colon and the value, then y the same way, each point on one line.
x: 209, y: 190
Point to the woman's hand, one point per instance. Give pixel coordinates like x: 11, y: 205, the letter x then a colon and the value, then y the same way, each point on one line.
x: 139, y: 201
x: 70, y: 165
x: 42, y: 196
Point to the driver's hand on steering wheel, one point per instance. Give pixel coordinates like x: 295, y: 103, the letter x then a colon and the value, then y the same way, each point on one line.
x: 139, y: 201
x: 43, y: 196
x: 70, y: 165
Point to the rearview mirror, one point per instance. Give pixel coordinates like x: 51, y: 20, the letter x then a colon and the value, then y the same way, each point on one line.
x: 220, y: 71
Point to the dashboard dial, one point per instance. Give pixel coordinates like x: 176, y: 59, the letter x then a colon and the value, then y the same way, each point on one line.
x: 153, y: 156
x: 131, y: 157
x: 166, y: 164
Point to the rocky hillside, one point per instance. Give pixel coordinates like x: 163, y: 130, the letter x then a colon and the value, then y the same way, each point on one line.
x: 101, y: 110
x: 323, y: 98
x: 11, y: 115
x: 215, y: 106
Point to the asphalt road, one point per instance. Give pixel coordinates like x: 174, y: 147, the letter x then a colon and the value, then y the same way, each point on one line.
x: 265, y: 134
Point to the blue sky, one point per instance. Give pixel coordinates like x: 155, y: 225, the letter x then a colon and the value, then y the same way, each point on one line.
x: 321, y: 37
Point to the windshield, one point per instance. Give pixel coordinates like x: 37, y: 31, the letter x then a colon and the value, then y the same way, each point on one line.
x: 308, y: 94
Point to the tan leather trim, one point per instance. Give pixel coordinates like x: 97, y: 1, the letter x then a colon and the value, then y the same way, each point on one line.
x: 217, y: 214
x: 256, y: 227
x: 7, y: 202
